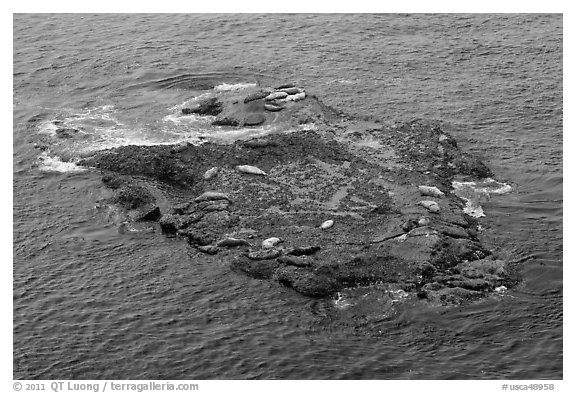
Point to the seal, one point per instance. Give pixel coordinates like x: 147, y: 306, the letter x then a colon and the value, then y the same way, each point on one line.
x: 211, y: 173
x: 251, y: 170
x: 430, y: 191
x: 271, y: 242
x: 232, y: 242
x: 273, y: 107
x: 277, y: 95
x: 431, y: 206
x: 212, y: 196
x: 327, y: 224
x: 256, y: 96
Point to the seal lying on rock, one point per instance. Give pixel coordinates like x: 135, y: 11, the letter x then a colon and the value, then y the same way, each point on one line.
x: 430, y: 191
x: 251, y: 170
x: 432, y: 206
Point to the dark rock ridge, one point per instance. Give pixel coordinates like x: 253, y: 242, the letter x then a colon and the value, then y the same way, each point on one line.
x: 363, y: 176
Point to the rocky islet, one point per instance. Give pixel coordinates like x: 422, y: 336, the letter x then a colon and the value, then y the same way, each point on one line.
x: 368, y: 178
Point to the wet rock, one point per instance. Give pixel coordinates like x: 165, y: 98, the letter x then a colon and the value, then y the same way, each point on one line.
x: 233, y: 242
x: 430, y: 191
x: 66, y: 133
x: 327, y: 224
x: 152, y: 214
x: 197, y: 237
x: 472, y: 166
x: 210, y: 106
x: 170, y: 223
x: 256, y: 96
x: 431, y: 206
x: 263, y: 254
x: 250, y: 170
x: 254, y: 119
x: 226, y: 121
x: 210, y: 250
x: 271, y: 242
x: 294, y: 261
x: 180, y: 147
x: 299, y: 251
x: 409, y: 225
x: 306, y: 281
x: 259, y: 143
x: 211, y: 173
x: 259, y: 269
x: 212, y: 196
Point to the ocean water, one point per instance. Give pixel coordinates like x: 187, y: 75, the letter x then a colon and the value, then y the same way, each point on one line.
x: 96, y: 299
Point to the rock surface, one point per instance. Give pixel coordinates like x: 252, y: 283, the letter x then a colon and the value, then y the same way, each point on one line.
x: 359, y: 173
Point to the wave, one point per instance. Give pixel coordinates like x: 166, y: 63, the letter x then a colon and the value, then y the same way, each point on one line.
x: 55, y: 164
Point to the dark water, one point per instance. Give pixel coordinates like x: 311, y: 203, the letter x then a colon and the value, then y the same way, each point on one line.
x: 94, y: 301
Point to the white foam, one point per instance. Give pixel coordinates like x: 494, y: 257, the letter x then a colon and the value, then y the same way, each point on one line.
x: 476, y: 192
x: 234, y: 86
x: 47, y: 127
x: 55, y: 164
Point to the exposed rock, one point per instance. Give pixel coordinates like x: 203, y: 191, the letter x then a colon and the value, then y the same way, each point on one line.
x: 259, y: 143
x: 263, y: 254
x: 294, y: 261
x: 226, y: 121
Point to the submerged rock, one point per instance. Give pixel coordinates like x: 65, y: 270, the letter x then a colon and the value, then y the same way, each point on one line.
x: 254, y: 119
